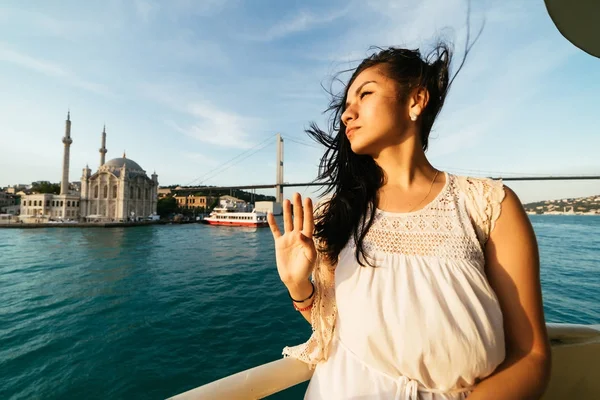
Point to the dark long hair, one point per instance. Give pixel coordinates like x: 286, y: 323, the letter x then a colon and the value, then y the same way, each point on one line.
x: 353, y: 180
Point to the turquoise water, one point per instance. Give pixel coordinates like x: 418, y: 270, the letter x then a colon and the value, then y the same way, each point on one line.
x: 150, y: 312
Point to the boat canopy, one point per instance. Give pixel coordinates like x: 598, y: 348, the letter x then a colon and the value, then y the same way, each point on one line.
x: 578, y: 21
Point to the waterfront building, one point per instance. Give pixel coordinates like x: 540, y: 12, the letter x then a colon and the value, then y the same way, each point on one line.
x: 164, y: 192
x: 120, y: 190
x: 16, y: 188
x: 234, y: 204
x: 194, y: 201
x: 41, y: 207
x: 6, y: 200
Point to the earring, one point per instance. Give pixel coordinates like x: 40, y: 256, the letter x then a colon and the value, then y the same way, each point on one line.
x: 413, y: 117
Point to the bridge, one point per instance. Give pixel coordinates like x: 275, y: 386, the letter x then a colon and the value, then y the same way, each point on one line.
x: 279, y: 184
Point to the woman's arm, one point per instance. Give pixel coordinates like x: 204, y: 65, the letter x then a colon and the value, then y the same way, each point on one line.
x: 512, y: 268
x: 301, y: 292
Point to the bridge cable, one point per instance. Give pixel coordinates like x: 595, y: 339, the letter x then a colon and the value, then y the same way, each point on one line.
x: 240, y: 160
x: 264, y: 143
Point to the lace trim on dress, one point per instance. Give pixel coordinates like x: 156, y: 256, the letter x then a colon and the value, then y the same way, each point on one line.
x: 323, y: 312
x: 434, y: 231
x: 483, y: 198
x: 323, y: 315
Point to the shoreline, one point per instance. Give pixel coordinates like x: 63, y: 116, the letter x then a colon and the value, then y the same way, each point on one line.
x: 42, y: 225
x: 571, y: 214
x: 81, y: 225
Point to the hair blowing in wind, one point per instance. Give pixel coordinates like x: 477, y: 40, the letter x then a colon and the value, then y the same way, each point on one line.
x: 352, y: 181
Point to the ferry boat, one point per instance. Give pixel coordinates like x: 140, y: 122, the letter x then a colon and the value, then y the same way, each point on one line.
x: 225, y: 216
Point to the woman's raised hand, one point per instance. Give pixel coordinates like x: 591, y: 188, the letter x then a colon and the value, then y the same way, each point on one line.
x: 295, y: 250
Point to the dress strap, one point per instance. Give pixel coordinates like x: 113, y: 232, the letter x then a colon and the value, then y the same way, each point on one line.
x: 408, y: 389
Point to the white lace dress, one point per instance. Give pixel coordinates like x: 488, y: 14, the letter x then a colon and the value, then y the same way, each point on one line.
x: 424, y: 324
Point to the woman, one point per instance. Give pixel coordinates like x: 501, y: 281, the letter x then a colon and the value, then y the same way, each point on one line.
x: 425, y: 284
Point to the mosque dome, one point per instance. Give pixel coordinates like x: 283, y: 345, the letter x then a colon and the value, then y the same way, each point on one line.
x: 114, y: 166
x: 119, y: 162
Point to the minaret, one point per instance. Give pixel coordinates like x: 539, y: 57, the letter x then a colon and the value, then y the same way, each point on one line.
x: 64, y: 183
x: 85, y: 191
x: 103, y: 150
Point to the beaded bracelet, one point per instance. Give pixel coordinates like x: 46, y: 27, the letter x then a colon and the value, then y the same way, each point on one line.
x: 308, y: 298
x: 303, y: 309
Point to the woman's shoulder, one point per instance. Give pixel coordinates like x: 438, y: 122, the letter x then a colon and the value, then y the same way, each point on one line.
x: 479, y: 185
x: 483, y: 199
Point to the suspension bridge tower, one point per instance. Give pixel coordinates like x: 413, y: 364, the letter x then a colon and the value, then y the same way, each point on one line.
x: 279, y: 166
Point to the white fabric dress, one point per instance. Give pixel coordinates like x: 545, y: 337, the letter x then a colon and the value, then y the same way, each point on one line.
x: 425, y: 323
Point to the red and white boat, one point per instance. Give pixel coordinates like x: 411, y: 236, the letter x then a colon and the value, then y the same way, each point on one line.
x: 224, y: 216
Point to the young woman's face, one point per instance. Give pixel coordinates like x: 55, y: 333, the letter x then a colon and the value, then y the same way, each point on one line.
x: 374, y: 116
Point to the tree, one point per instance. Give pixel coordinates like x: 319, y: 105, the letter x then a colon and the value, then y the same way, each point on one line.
x: 166, y: 206
x: 214, y: 203
x: 45, y: 187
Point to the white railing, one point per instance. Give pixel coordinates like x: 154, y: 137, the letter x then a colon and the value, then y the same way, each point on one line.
x: 575, y: 366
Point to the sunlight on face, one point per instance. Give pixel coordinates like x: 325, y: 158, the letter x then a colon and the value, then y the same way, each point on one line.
x: 374, y: 117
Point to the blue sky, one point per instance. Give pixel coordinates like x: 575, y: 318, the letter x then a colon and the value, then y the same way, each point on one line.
x: 184, y: 86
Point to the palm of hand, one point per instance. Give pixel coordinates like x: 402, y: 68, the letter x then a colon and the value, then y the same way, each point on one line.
x: 295, y: 250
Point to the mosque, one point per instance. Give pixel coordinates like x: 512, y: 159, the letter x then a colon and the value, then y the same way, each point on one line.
x: 119, y: 191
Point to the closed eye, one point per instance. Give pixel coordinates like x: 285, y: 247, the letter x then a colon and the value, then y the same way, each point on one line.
x: 363, y: 94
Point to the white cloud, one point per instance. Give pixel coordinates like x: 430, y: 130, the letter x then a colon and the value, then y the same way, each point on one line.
x: 200, y: 8
x: 51, y: 69
x: 407, y: 24
x: 217, y: 127
x: 66, y: 29
x: 210, y: 124
x: 146, y: 9
x: 300, y: 22
x: 184, y: 48
x: 31, y: 63
x: 518, y: 76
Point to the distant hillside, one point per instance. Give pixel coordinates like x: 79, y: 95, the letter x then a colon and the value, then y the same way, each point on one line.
x: 248, y: 197
x: 581, y: 205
